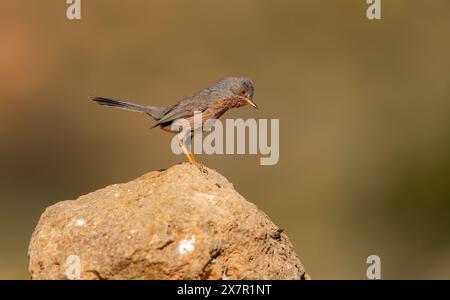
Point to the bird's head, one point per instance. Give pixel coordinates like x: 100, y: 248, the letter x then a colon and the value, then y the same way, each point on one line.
x: 240, y: 88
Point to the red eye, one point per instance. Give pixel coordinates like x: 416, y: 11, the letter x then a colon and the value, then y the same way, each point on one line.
x: 244, y: 92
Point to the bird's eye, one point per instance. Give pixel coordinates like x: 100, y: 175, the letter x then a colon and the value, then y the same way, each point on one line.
x: 243, y: 92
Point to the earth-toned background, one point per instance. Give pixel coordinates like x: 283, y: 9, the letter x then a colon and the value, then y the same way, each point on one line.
x: 364, y: 109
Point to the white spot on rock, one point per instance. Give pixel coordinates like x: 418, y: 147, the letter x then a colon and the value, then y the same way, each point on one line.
x: 116, y: 195
x: 186, y: 245
x: 129, y: 190
x: 80, y: 222
x: 132, y: 232
x: 207, y: 196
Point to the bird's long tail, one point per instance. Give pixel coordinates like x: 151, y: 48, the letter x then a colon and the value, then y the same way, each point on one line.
x: 155, y: 112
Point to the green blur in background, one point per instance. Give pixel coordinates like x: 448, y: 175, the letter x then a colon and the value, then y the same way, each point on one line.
x: 364, y: 109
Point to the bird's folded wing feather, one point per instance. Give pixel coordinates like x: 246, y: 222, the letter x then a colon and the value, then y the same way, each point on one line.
x: 183, y: 109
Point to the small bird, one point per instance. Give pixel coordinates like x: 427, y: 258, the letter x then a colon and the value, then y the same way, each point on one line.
x: 212, y: 102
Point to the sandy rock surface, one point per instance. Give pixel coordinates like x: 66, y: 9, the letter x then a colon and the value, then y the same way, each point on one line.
x: 175, y: 224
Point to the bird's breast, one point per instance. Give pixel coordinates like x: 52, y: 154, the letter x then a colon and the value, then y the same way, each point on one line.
x: 214, y: 111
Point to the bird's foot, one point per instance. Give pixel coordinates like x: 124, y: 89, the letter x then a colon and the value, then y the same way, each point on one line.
x: 194, y: 162
x: 200, y: 167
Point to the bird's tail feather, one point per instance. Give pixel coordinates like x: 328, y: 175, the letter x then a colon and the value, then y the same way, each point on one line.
x: 155, y: 112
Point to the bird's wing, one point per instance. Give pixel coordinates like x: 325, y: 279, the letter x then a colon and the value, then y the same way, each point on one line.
x: 183, y: 109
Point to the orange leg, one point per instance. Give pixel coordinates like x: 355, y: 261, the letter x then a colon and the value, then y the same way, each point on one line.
x: 189, y: 154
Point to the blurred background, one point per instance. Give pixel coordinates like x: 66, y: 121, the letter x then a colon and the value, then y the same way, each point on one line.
x: 364, y: 109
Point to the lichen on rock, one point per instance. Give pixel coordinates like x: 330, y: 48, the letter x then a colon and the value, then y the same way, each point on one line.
x: 174, y: 224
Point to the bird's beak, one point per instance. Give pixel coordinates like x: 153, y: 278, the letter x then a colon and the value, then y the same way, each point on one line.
x: 250, y: 102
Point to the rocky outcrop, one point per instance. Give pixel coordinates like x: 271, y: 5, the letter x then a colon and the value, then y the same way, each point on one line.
x: 180, y: 223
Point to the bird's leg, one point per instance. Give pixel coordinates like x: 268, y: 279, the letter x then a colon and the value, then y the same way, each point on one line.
x: 192, y: 159
x: 187, y: 152
x: 190, y: 156
x: 199, y: 165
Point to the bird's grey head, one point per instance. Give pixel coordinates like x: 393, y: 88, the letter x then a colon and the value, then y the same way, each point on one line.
x: 238, y: 87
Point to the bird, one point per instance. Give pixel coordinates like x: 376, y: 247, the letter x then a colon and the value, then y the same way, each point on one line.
x: 212, y: 102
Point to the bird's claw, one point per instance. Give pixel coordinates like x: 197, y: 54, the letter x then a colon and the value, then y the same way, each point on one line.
x: 200, y: 167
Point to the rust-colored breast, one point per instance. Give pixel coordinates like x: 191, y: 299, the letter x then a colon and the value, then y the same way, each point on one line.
x: 215, y: 111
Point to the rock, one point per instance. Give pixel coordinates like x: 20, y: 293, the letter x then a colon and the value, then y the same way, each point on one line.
x: 174, y: 224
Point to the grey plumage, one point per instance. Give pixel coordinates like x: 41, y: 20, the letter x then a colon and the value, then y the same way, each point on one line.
x: 223, y: 89
x: 230, y: 88
x: 155, y: 112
